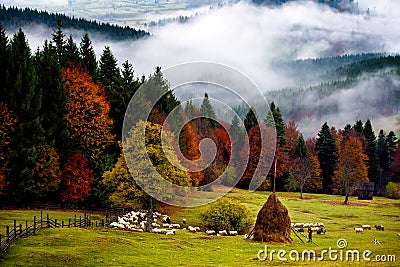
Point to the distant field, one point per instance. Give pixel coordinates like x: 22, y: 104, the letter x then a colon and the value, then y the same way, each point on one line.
x: 391, y: 123
x: 130, y: 13
x: 102, y: 247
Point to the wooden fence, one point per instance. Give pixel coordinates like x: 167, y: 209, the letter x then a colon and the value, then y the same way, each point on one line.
x: 23, y: 231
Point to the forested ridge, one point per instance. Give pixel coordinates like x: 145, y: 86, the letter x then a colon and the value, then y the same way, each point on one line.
x: 62, y: 111
x: 13, y: 18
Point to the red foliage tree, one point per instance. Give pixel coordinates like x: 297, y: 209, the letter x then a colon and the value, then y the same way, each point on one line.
x: 76, y: 179
x: 7, y: 127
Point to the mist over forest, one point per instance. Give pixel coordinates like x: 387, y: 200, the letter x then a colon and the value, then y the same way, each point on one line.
x: 280, y: 48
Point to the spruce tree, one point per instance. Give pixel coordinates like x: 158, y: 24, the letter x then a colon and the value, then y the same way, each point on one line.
x: 4, y: 61
x: 48, y: 72
x: 327, y: 155
x: 108, y: 73
x: 301, y: 150
x: 88, y: 56
x: 279, y: 124
x: 208, y: 112
x: 250, y: 120
x: 58, y: 38
x: 372, y: 153
x: 25, y: 100
x: 72, y: 52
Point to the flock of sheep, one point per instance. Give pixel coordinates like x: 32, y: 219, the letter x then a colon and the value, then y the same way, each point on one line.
x: 368, y: 227
x: 319, y: 228
x: 136, y: 221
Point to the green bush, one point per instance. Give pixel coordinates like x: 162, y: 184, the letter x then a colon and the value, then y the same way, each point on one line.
x: 225, y: 214
x: 393, y: 190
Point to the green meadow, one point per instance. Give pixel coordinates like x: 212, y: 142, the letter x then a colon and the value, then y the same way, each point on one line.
x: 105, y: 247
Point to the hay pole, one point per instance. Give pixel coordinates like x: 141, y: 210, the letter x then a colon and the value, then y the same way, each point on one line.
x: 297, y: 234
x: 311, y: 240
x: 250, y: 234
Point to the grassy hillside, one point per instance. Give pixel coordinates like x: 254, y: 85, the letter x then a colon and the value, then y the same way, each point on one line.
x: 102, y: 247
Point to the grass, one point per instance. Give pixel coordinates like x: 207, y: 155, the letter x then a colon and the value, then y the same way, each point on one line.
x: 102, y: 247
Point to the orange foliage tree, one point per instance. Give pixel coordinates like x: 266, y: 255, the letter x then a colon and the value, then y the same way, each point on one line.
x: 352, y: 166
x: 87, y: 121
x: 76, y: 179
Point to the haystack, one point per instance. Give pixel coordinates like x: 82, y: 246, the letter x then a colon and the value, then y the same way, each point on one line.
x: 273, y: 222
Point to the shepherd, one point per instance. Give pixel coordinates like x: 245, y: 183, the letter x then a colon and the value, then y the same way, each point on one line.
x: 309, y: 235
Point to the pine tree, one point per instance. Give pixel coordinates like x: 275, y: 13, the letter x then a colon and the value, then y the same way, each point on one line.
x: 122, y: 96
x: 189, y: 109
x: 58, y: 38
x: 327, y: 156
x: 108, y: 73
x: 4, y: 61
x: 250, y: 120
x: 372, y: 153
x: 72, y: 52
x: 207, y: 111
x: 49, y: 83
x: 25, y: 100
x: 279, y: 124
x: 88, y: 56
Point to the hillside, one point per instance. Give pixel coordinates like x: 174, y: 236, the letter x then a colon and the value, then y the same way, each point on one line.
x: 340, y: 90
x: 341, y: 5
x: 13, y: 18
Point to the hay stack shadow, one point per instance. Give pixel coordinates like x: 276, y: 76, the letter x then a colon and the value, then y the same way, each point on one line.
x: 273, y: 222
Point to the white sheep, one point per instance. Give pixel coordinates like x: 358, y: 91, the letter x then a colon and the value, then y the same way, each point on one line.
x: 233, y: 233
x: 166, y: 225
x: 210, y: 232
x: 223, y: 233
x: 170, y: 232
x: 192, y: 229
x: 358, y: 229
x: 176, y: 226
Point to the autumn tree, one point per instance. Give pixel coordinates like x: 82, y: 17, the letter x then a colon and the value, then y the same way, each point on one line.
x: 352, y: 166
x: 305, y: 168
x: 86, y: 117
x: 149, y: 163
x: 7, y: 127
x: 47, y: 172
x: 76, y: 179
x: 292, y: 135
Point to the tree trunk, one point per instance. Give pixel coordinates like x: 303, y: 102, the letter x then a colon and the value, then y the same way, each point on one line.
x: 346, y: 192
x: 301, y: 192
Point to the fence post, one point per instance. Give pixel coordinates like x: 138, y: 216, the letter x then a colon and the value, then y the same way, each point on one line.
x: 48, y: 221
x: 26, y: 228
x: 80, y: 221
x: 84, y: 220
x: 62, y: 224
x: 75, y: 220
x: 34, y: 225
x: 15, y: 228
